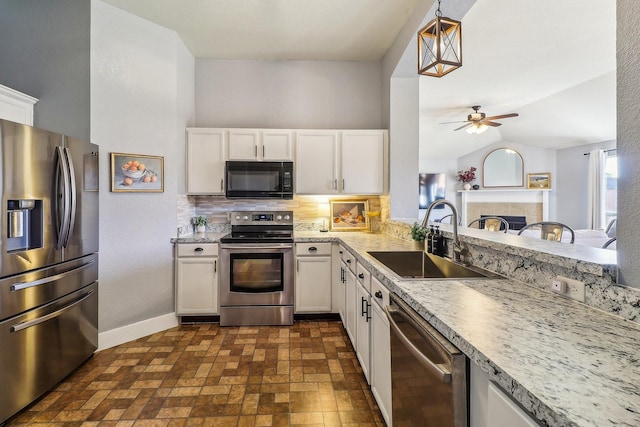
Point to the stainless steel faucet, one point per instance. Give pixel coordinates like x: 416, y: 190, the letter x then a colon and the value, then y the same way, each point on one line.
x: 459, y: 251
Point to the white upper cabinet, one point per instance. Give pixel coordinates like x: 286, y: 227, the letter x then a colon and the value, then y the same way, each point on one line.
x: 260, y: 144
x: 316, y: 167
x: 16, y: 106
x: 206, y: 155
x: 341, y: 162
x: 362, y: 162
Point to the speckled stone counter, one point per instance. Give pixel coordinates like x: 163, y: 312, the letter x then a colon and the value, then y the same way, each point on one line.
x: 566, y: 363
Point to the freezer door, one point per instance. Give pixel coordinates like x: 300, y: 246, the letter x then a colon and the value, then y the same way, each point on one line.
x: 27, y: 291
x: 83, y: 234
x: 42, y: 346
x: 27, y: 235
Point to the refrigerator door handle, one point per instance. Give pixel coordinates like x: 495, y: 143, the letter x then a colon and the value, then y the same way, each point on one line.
x: 72, y: 193
x: 25, y: 285
x: 25, y: 325
x: 65, y: 197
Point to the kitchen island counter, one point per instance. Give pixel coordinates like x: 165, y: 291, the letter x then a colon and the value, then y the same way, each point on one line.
x: 566, y: 363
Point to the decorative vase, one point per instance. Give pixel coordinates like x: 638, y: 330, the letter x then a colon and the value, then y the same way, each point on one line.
x: 201, y: 228
x: 476, y: 187
x: 466, y: 186
x: 418, y: 245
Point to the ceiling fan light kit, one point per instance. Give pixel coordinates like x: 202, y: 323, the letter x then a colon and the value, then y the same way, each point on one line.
x: 440, y: 46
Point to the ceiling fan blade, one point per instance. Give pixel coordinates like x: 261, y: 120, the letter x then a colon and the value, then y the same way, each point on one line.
x: 503, y: 116
x: 448, y: 123
x: 463, y: 126
x: 489, y: 123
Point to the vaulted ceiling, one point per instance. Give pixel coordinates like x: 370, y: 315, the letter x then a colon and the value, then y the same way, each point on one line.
x: 553, y: 62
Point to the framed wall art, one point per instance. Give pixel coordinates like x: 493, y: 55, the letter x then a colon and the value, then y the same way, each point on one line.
x: 137, y: 173
x: 539, y: 181
x: 349, y: 215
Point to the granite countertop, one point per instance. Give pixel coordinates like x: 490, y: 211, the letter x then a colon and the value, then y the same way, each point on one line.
x: 566, y: 363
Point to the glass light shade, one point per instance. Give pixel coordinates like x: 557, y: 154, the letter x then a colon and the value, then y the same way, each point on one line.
x: 439, y: 47
x: 477, y: 129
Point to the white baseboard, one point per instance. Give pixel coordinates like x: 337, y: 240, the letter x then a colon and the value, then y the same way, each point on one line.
x: 137, y: 330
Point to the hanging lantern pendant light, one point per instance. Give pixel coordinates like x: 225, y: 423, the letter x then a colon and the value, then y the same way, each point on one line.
x: 440, y: 46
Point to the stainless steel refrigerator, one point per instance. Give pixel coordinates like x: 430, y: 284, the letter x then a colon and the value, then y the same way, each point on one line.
x: 48, y: 261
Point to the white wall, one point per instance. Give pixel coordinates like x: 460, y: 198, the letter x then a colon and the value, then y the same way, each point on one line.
x: 139, y: 72
x: 288, y: 94
x: 628, y: 134
x: 572, y: 191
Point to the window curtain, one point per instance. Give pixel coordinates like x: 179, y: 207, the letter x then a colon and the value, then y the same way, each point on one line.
x: 597, y: 189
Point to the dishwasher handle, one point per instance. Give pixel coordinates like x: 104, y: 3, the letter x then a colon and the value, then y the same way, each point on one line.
x: 443, y: 374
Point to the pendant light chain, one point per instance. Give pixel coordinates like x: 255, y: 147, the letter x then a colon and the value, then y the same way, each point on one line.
x: 438, y: 11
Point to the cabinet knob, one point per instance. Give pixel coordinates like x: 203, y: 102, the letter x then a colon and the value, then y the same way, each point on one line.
x: 199, y: 249
x: 348, y: 261
x: 313, y: 249
x: 378, y: 294
x: 361, y: 275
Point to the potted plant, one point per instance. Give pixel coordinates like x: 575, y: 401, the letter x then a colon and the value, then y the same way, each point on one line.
x: 418, y: 234
x: 201, y: 223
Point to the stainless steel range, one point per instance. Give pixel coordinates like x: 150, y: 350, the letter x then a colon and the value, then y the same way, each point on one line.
x: 256, y: 269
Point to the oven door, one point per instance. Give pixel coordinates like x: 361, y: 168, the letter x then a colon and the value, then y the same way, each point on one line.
x: 256, y: 274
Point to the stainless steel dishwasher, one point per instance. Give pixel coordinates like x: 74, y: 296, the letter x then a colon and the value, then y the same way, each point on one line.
x: 428, y: 373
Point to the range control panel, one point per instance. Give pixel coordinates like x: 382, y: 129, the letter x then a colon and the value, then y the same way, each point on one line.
x: 261, y: 218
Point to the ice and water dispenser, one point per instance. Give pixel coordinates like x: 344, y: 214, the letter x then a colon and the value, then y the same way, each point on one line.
x: 24, y: 225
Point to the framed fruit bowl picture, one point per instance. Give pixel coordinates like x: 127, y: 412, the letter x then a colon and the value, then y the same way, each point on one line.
x: 137, y: 173
x: 349, y: 215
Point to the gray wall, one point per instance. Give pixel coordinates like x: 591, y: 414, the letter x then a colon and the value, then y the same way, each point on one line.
x: 288, y: 94
x: 44, y: 52
x: 628, y: 93
x: 572, y: 191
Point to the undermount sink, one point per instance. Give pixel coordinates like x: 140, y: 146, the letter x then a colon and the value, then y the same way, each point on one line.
x: 421, y: 265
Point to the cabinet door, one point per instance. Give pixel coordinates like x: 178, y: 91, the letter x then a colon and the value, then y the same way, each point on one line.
x: 196, y: 286
x: 243, y: 144
x: 351, y: 305
x: 205, y: 161
x: 381, y: 361
x: 363, y: 304
x: 276, y: 145
x: 313, y: 284
x: 504, y: 412
x: 316, y: 154
x: 362, y: 162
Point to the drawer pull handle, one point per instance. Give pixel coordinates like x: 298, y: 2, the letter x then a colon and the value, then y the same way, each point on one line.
x: 361, y: 275
x: 378, y: 294
x: 199, y: 249
x: 313, y: 249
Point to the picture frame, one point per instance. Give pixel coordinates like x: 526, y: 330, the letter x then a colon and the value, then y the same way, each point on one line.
x: 127, y: 180
x: 539, y: 181
x: 349, y: 215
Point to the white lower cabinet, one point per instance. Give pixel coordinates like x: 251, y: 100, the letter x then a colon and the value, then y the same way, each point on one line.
x: 313, y: 278
x: 380, y: 376
x: 363, y: 344
x: 350, y: 302
x: 197, y: 279
x: 491, y: 407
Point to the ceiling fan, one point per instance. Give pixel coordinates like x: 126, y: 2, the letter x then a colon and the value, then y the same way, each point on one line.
x: 478, y: 122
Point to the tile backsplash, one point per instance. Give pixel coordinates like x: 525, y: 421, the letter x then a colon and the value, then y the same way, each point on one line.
x: 307, y: 210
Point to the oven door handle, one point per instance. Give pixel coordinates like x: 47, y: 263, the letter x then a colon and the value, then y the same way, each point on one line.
x: 443, y: 375
x: 258, y: 247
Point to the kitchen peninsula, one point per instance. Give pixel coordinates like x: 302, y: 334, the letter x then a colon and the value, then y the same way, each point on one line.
x: 564, y: 362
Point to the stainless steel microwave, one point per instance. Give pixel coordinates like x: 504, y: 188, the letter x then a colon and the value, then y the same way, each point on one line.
x: 258, y: 180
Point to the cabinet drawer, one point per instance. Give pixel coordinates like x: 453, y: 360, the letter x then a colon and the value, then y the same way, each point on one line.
x: 379, y: 293
x: 197, y: 249
x: 348, y: 259
x: 364, y: 277
x: 313, y: 249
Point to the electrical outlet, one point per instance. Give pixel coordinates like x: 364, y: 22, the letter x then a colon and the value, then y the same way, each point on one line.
x: 571, y: 288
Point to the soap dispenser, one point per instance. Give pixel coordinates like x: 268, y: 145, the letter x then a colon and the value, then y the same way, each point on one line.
x: 429, y: 240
